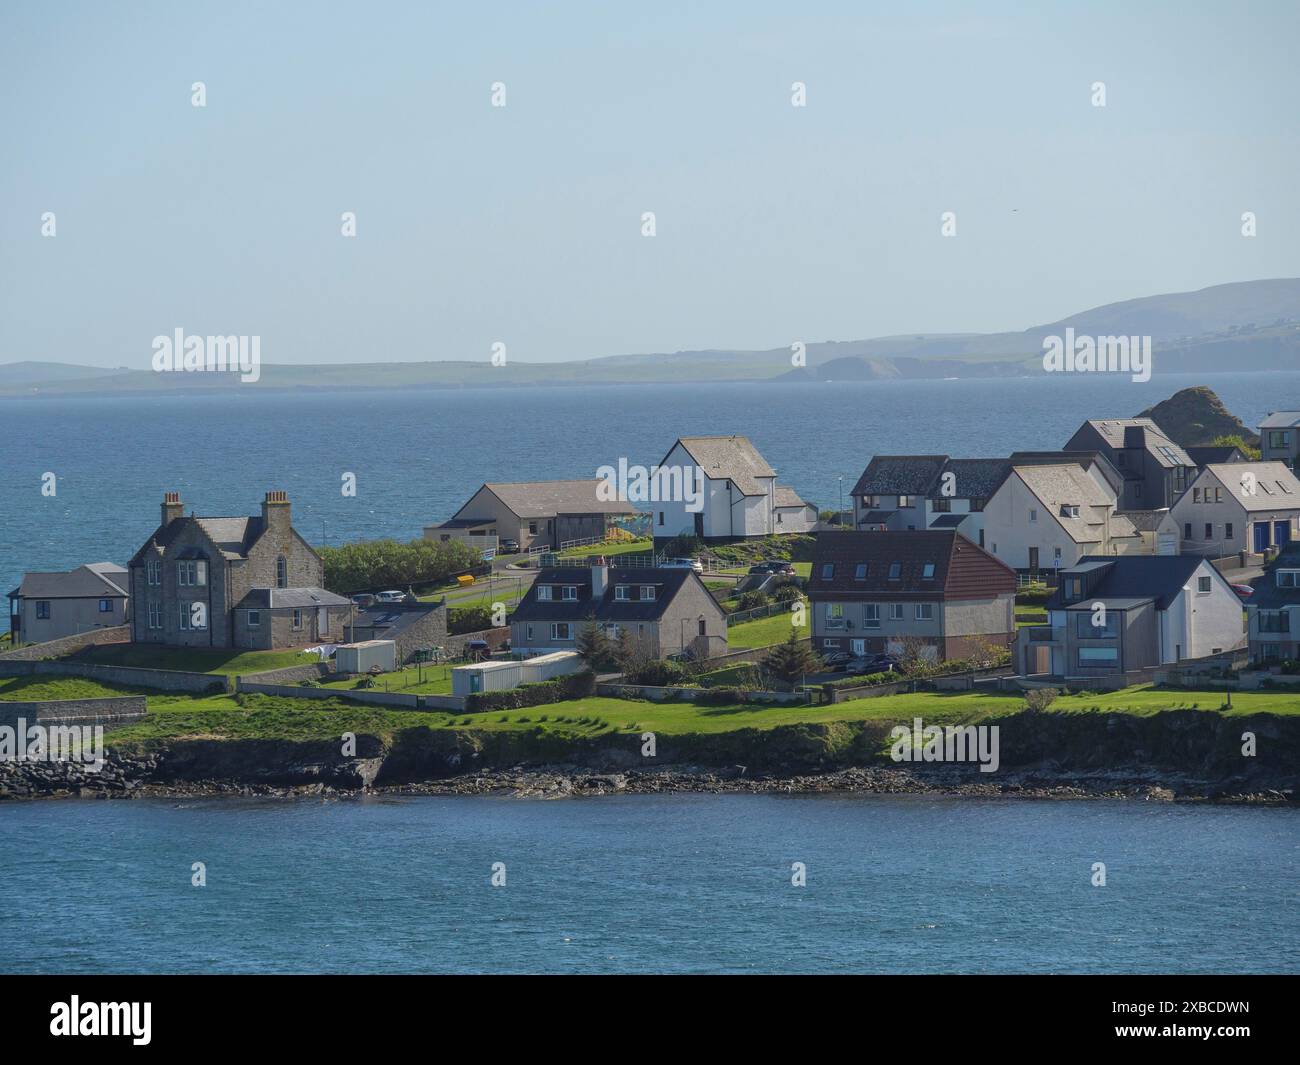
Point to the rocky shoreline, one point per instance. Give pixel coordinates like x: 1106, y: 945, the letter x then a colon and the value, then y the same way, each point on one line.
x: 127, y: 778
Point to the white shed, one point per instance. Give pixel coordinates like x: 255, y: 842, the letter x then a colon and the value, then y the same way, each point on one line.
x: 544, y: 667
x: 360, y: 657
x: 485, y: 677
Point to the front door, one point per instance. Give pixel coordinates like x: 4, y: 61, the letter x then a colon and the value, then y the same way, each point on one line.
x: 1281, y: 533
x: 858, y: 647
x: 322, y: 622
x: 1261, y: 536
x: 699, y: 524
x: 1033, y: 560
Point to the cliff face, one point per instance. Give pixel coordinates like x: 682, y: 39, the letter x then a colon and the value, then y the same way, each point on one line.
x: 1197, y: 416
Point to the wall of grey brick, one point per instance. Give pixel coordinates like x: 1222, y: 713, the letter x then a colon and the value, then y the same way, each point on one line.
x: 118, y: 710
x: 128, y: 676
x: 68, y: 644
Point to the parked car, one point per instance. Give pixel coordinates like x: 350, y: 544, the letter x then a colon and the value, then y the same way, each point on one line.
x: 683, y: 563
x: 391, y: 596
x: 837, y: 661
x: 1244, y: 591
x: 509, y: 546
x: 884, y: 663
x: 363, y: 600
x: 783, y: 569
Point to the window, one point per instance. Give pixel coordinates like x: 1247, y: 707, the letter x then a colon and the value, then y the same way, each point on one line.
x: 942, y: 505
x: 544, y: 593
x: 153, y: 572
x: 281, y: 572
x: 904, y: 501
x: 895, y: 571
x: 1196, y: 495
x: 828, y: 570
x: 834, y: 610
x: 647, y: 593
x: 297, y: 619
x: 1203, y: 584
x: 1086, y: 630
x: 1099, y: 655
x: 1209, y: 531
x: 1227, y: 530
x: 1279, y: 438
x: 620, y: 593
x: 191, y: 618
x: 1074, y: 587
x: 43, y: 608
x: 569, y: 593
x: 704, y: 627
x: 895, y: 611
x: 1137, y: 490
x: 830, y: 643
x: 871, y: 616
x: 561, y: 630
x: 1033, y: 513
x: 192, y: 572
x: 927, y: 572
x: 155, y: 615
x: 1288, y: 578
x: 1187, y: 531
x: 106, y: 606
x: 529, y: 632
x: 254, y: 618
x: 532, y: 528
x: 924, y: 611
x: 661, y: 517
x: 977, y: 504
x: 860, y: 571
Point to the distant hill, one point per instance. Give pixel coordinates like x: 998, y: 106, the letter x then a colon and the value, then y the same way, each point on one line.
x: 1197, y: 416
x: 1241, y: 327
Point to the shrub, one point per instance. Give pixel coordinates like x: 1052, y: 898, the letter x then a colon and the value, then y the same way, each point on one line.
x: 558, y: 689
x: 375, y: 564
x: 751, y: 601
x: 786, y: 593
x: 1039, y: 699
x: 661, y: 673
x: 463, y: 619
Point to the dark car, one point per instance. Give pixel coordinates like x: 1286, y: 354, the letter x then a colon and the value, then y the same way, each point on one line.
x: 783, y: 569
x: 837, y: 661
x: 363, y: 600
x: 881, y: 663
x: 509, y: 546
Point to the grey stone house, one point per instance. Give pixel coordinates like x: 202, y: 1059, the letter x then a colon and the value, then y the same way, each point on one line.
x: 231, y: 582
x: 536, y: 513
x: 1239, y: 506
x: 1279, y: 437
x: 49, y: 606
x: 411, y: 626
x: 1273, y: 612
x: 666, y: 610
x: 871, y: 592
x: 1156, y: 470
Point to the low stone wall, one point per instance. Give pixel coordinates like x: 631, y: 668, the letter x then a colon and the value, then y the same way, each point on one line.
x: 128, y: 676
x: 496, y: 639
x: 118, y: 710
x: 68, y: 644
x: 289, y: 674
x: 657, y: 694
x: 393, y: 700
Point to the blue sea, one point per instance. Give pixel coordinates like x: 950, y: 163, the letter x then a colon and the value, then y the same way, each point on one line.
x: 679, y: 884
x: 418, y: 455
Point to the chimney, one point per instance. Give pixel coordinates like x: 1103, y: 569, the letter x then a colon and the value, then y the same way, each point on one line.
x: 275, y: 513
x: 1135, y: 436
x: 599, y: 581
x: 172, y: 507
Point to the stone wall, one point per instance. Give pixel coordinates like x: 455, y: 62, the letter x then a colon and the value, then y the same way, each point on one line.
x: 392, y: 700
x: 496, y: 639
x: 656, y: 693
x: 118, y: 710
x: 68, y: 644
x: 292, y: 674
x: 129, y: 676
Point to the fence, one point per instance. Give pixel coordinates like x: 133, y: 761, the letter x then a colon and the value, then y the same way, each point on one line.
x: 741, y: 616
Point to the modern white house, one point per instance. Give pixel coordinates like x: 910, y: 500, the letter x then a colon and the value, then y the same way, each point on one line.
x: 1238, y: 506
x: 1119, y: 615
x: 1044, y: 518
x: 735, y: 493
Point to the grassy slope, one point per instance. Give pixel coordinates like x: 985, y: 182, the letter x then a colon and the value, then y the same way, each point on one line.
x: 764, y: 631
x: 196, y: 660
x: 427, y: 680
x: 33, y: 688
x: 264, y: 717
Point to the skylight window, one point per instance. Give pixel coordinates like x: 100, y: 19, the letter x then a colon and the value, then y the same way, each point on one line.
x: 895, y: 570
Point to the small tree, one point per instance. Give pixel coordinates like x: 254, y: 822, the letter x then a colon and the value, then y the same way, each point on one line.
x: 1039, y: 699
x: 912, y: 657
x: 985, y: 654
x: 792, y: 660
x: 594, y: 646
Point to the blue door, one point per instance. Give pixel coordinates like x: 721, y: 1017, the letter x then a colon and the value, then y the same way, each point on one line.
x: 1261, y: 536
x: 1281, y: 533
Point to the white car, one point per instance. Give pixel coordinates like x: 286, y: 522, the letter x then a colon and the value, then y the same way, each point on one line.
x: 390, y: 597
x: 683, y: 563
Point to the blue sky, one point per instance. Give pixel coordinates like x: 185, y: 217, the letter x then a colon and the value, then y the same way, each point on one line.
x: 522, y: 224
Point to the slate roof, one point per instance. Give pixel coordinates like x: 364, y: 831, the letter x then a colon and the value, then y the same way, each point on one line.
x: 96, y: 580
x: 948, y: 521
x: 667, y: 583
x: 786, y: 497
x: 1082, y: 459
x: 1059, y: 486
x: 1130, y: 579
x: 1281, y: 419
x: 1276, y: 487
x: 1204, y: 456
x: 386, y: 621
x: 546, y: 499
x: 962, y: 570
x: 1158, y: 443
x: 1268, y: 596
x: 731, y: 458
x: 923, y: 475
x: 234, y: 537
x: 278, y: 598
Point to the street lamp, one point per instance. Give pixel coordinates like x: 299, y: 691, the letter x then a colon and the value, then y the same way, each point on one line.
x: 840, y: 516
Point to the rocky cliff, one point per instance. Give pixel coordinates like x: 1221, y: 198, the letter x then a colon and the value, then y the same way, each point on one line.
x: 1197, y: 416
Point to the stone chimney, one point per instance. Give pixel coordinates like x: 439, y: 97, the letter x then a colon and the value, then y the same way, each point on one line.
x: 275, y: 513
x: 172, y: 507
x: 1135, y: 436
x: 599, y: 581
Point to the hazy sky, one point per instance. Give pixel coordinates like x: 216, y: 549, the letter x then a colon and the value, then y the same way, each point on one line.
x: 523, y: 224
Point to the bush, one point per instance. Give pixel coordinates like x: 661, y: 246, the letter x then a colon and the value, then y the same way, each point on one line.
x: 463, y: 619
x: 379, y: 564
x: 865, y: 680
x: 751, y: 601
x: 572, y: 686
x: 720, y: 697
x: 1039, y: 699
x: 661, y: 673
x: 787, y: 593
x: 684, y: 546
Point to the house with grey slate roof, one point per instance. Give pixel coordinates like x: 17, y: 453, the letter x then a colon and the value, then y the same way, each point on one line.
x: 232, y: 582
x: 1273, y: 611
x: 1279, y: 437
x: 535, y: 513
x: 1239, y: 506
x: 1156, y: 470
x: 49, y: 606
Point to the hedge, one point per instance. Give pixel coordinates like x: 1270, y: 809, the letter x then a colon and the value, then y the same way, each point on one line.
x: 571, y: 686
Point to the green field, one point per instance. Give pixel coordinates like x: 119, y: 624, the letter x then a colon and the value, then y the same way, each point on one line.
x: 266, y: 717
x: 764, y: 631
x: 414, y: 680
x: 35, y: 688
x: 618, y: 547
x: 193, y: 660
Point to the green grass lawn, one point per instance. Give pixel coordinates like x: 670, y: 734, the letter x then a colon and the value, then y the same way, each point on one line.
x: 268, y: 717
x: 764, y: 631
x: 193, y: 660
x: 619, y: 547
x: 34, y: 688
x: 423, y: 680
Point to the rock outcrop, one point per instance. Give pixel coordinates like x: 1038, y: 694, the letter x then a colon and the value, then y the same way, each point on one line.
x: 1197, y: 416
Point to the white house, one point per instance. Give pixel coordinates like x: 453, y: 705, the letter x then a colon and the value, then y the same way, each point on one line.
x: 740, y: 496
x: 1238, y: 506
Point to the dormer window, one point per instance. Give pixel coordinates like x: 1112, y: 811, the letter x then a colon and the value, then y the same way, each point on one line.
x: 1074, y: 588
x: 895, y: 571
x: 860, y: 571
x: 570, y: 593
x: 1288, y: 578
x: 621, y: 593
x: 544, y: 592
x: 647, y: 593
x: 1069, y: 510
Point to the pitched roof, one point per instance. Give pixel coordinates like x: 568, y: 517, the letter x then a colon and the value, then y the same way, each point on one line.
x: 1130, y: 579
x: 1281, y: 419
x: 96, y: 580
x: 546, y: 499
x: 233, y: 537
x: 1156, y: 441
x: 730, y: 458
x: 1204, y: 456
x: 384, y: 621
x: 786, y: 497
x: 900, y: 475
x: 1268, y: 596
x: 1066, y: 485
x: 276, y: 598
x: 1083, y: 459
x: 962, y: 570
x: 1276, y: 487
x: 666, y: 581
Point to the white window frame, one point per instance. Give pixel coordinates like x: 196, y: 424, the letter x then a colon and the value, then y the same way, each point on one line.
x: 924, y: 611
x: 544, y: 593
